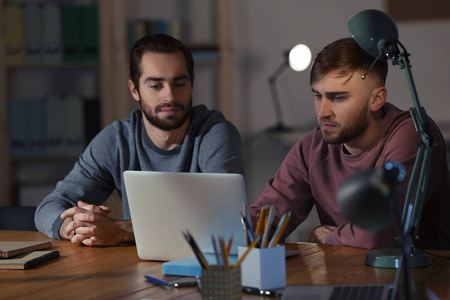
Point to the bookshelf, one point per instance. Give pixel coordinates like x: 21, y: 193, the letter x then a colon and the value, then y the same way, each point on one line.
x: 111, y: 72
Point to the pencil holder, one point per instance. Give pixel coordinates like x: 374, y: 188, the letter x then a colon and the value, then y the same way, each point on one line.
x: 263, y: 268
x: 219, y: 283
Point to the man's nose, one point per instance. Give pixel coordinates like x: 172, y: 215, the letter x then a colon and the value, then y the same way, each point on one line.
x: 324, y: 109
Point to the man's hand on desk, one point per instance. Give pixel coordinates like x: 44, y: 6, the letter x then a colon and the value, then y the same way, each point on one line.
x: 89, y: 224
x: 319, y: 234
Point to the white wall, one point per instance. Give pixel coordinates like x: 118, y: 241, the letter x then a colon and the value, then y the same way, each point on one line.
x: 263, y: 29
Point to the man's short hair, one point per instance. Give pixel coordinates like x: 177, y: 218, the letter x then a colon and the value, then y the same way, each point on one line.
x: 348, y: 57
x: 157, y: 43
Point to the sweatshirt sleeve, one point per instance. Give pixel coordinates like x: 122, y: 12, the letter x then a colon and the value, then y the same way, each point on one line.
x: 288, y: 190
x: 89, y: 180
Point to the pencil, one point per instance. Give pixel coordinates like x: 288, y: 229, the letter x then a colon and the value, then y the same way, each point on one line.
x: 248, y: 226
x: 225, y: 255
x: 216, y: 253
x: 261, y: 220
x: 230, y: 242
x: 198, y: 253
x: 270, y: 217
x: 244, y: 214
x: 280, y: 229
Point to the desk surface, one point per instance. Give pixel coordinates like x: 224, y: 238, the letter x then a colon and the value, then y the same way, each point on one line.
x: 117, y: 272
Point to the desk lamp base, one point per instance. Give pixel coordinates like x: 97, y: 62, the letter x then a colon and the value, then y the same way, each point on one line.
x: 390, y: 258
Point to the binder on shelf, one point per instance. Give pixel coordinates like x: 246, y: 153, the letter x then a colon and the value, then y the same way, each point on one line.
x: 74, y: 125
x: 71, y: 41
x: 32, y: 26
x: 92, y: 117
x: 136, y: 29
x: 139, y: 28
x: 89, y: 33
x: 18, y: 128
x: 161, y: 26
x: 14, y: 39
x: 52, y: 33
x: 36, y: 117
x: 174, y: 29
x: 54, y: 126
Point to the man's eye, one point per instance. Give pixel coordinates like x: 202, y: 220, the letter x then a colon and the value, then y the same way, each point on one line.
x: 180, y: 84
x: 317, y: 96
x: 338, y: 99
x: 156, y: 86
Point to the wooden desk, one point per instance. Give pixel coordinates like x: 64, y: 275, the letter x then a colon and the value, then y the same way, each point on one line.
x: 118, y: 273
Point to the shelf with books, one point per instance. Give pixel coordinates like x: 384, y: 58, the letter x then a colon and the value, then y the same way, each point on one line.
x: 107, y: 76
x: 50, y: 33
x: 50, y: 95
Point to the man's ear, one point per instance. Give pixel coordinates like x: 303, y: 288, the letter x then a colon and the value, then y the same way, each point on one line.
x: 133, y: 90
x: 379, y: 96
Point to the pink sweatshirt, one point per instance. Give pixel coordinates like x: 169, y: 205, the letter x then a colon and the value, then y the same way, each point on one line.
x: 313, y: 171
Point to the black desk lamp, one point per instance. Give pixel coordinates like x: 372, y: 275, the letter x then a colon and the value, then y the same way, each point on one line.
x: 370, y: 200
x: 298, y: 58
x: 377, y: 34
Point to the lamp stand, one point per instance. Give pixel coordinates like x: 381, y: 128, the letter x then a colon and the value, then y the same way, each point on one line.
x: 390, y: 258
x: 415, y: 196
x: 280, y: 127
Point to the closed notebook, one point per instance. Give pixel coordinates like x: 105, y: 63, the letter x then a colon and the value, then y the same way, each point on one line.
x: 189, y: 265
x: 12, y: 248
x: 27, y: 260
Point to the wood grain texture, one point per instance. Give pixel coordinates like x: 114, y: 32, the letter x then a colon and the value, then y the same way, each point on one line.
x: 118, y: 273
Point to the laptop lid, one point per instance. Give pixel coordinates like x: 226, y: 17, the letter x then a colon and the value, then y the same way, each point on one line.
x: 165, y: 204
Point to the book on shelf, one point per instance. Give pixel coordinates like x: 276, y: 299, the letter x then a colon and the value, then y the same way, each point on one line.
x: 14, y: 39
x: 139, y: 28
x: 33, y: 33
x: 89, y: 33
x: 74, y: 130
x: 54, y: 126
x: 47, y: 32
x: 52, y: 34
x: 18, y: 128
x: 36, y: 119
x: 80, y: 33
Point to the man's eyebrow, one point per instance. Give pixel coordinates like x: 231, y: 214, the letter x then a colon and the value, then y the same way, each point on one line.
x: 153, y: 79
x: 331, y: 94
x: 181, y: 77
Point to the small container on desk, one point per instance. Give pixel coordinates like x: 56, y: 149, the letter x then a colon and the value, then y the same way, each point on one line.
x: 219, y: 283
x: 263, y: 268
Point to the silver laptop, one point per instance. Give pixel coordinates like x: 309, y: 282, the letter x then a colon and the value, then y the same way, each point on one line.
x: 165, y: 204
x: 338, y: 292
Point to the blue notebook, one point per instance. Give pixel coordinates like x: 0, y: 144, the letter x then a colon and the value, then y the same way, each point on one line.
x: 189, y: 265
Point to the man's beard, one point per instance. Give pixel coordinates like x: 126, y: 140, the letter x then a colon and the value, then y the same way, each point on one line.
x: 348, y: 133
x: 170, y: 122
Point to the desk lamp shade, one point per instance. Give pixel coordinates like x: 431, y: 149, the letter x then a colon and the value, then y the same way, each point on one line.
x: 371, y: 28
x: 364, y: 197
x: 362, y: 204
